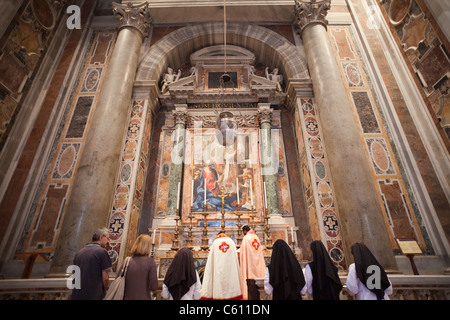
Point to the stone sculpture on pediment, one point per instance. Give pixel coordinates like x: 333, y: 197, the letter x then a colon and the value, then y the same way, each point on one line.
x: 199, y: 80
x: 169, y: 78
x: 275, y: 77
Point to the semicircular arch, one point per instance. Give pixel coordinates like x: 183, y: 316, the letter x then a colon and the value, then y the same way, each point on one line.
x: 268, y: 46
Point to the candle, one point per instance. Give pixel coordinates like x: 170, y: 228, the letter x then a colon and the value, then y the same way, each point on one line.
x: 251, y: 193
x: 192, y: 193
x: 265, y: 196
x: 178, y: 196
x: 204, y: 187
x: 153, y: 240
x: 292, y: 234
x: 237, y: 187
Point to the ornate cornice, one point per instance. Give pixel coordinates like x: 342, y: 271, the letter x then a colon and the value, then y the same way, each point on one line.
x: 310, y: 11
x: 137, y: 16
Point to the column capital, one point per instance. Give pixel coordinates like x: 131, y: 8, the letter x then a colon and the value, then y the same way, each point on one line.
x: 137, y: 16
x: 180, y: 114
x: 264, y: 113
x: 310, y: 11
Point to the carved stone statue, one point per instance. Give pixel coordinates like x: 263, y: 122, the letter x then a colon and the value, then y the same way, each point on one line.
x: 275, y: 77
x: 170, y: 77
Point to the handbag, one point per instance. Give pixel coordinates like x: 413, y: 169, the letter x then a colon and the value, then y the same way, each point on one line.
x: 116, y: 290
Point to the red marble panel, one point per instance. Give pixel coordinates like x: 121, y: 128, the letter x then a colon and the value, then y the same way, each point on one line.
x: 433, y: 67
x: 12, y: 73
x: 398, y: 211
x: 342, y: 44
x: 102, y: 47
x: 44, y: 232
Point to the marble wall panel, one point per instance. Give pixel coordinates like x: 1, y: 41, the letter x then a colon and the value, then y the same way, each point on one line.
x: 92, y: 80
x: 426, y: 51
x: 380, y: 156
x: 66, y: 162
x: 397, y: 209
x: 48, y: 212
x: 323, y: 214
x: 366, y: 115
x: 103, y: 46
x: 44, y: 229
x: 21, y: 51
x: 80, y: 116
x: 433, y: 67
x: 127, y: 204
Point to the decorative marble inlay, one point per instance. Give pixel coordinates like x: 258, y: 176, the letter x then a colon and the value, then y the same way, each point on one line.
x: 322, y: 212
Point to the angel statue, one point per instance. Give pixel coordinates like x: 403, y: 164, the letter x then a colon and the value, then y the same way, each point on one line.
x: 169, y: 77
x: 275, y: 77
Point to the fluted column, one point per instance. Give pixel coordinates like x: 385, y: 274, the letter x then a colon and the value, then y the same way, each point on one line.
x: 93, y: 188
x: 361, y: 217
x: 176, y: 167
x: 269, y: 163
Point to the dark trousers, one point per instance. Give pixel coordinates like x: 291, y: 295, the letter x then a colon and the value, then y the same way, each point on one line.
x: 253, y: 292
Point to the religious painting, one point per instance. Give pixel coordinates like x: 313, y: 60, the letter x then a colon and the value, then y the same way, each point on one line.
x: 224, y: 177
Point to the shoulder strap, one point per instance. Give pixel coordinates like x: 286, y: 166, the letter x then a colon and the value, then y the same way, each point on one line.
x: 126, y: 262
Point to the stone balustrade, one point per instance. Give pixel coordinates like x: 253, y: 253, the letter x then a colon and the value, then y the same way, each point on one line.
x: 406, y: 287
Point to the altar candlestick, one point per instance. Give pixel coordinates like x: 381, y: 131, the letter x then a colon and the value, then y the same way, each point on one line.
x: 153, y: 240
x: 178, y: 196
x: 237, y: 187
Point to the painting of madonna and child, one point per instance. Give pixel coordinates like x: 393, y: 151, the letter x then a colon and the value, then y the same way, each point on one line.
x: 229, y: 175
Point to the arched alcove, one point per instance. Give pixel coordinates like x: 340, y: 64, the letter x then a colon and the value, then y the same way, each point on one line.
x: 175, y: 49
x: 268, y: 46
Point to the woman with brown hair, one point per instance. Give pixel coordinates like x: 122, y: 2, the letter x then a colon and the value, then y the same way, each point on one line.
x: 141, y: 277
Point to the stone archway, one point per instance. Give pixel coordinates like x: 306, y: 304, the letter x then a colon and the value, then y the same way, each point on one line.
x: 268, y: 46
x: 175, y: 49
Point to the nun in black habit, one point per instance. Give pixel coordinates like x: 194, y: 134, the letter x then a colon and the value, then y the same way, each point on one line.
x: 322, y: 275
x: 182, y: 281
x: 361, y: 279
x: 284, y: 277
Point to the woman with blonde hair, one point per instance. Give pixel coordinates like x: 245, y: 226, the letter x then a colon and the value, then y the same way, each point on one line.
x: 141, y: 277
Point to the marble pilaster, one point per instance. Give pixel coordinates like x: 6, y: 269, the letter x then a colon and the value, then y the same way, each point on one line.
x: 93, y: 188
x: 361, y: 217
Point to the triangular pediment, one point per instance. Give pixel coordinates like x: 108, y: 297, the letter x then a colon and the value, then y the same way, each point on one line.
x: 183, y: 84
x: 257, y: 82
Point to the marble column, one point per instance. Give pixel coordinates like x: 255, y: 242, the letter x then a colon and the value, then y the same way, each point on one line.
x: 92, y: 192
x: 269, y: 161
x: 176, y: 167
x: 360, y: 214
